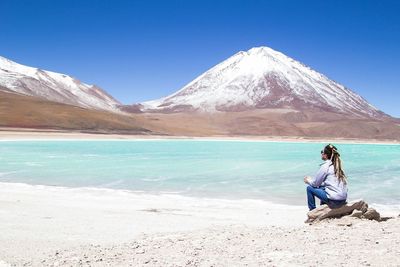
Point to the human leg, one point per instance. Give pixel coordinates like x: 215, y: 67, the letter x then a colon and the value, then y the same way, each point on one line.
x: 322, y: 202
x: 313, y: 192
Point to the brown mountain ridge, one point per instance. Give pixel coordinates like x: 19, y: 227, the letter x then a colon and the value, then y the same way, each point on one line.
x: 18, y: 111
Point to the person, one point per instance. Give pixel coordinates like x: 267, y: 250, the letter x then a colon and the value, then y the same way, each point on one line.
x: 330, y: 182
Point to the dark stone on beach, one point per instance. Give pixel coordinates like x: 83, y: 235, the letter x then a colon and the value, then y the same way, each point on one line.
x: 372, y: 214
x: 152, y: 210
x: 356, y: 213
x: 384, y: 219
x: 346, y: 223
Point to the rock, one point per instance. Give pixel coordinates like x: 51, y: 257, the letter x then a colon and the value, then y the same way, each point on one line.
x: 345, y: 223
x: 324, y: 211
x: 356, y: 213
x: 141, y: 251
x: 355, y: 209
x: 372, y: 214
x: 383, y: 219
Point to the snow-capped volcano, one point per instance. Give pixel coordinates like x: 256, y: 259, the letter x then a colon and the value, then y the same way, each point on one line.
x: 53, y: 86
x: 263, y: 78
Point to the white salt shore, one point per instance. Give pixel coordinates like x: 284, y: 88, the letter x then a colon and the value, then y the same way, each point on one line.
x: 35, y: 220
x: 50, y: 226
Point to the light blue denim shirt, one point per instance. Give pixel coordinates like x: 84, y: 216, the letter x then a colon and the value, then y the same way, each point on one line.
x: 326, y: 177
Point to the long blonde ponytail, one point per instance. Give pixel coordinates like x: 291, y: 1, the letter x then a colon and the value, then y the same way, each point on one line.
x: 334, y: 155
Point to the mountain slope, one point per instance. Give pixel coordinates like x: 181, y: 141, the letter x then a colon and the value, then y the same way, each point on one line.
x: 263, y: 78
x: 272, y: 123
x: 20, y: 111
x: 53, y: 86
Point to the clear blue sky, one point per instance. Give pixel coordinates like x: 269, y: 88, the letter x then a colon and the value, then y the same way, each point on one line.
x: 143, y: 50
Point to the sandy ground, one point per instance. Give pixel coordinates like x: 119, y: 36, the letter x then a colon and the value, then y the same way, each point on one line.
x: 37, y: 220
x: 51, y: 226
x: 9, y: 134
x: 363, y: 243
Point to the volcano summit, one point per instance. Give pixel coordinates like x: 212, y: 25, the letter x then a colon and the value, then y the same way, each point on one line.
x: 263, y: 78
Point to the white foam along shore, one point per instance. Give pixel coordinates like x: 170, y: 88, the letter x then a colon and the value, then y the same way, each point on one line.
x: 36, y: 219
x: 11, y: 134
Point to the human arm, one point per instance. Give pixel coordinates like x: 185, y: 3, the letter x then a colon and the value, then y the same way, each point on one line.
x: 320, y: 176
x: 307, y: 179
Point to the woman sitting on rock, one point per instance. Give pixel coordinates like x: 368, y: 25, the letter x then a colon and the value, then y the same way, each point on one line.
x: 330, y: 183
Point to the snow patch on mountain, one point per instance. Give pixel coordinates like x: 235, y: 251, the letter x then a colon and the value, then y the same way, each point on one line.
x: 53, y: 86
x: 263, y: 78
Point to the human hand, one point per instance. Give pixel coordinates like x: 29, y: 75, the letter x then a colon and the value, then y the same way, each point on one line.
x: 307, y: 179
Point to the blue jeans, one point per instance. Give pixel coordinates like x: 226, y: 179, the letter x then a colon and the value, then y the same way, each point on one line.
x: 313, y: 192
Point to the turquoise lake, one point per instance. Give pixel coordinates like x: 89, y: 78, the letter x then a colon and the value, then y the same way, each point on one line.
x: 271, y: 171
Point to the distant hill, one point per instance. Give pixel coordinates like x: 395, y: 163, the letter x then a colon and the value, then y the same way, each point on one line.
x: 20, y: 111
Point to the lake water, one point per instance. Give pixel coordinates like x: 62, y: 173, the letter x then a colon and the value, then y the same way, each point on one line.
x: 270, y: 171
